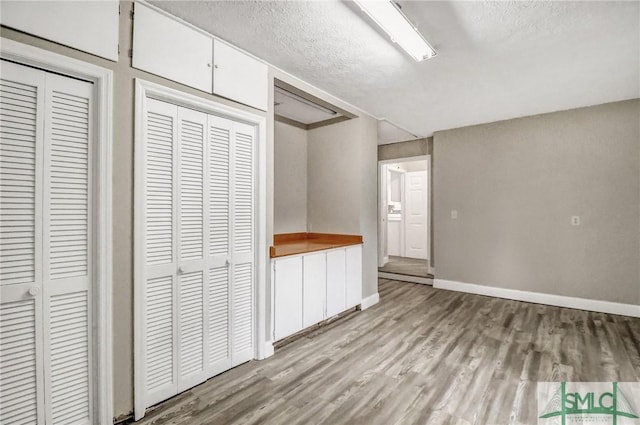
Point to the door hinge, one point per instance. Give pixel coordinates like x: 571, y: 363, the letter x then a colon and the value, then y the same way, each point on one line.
x: 130, y: 53
x: 131, y: 13
x: 119, y: 9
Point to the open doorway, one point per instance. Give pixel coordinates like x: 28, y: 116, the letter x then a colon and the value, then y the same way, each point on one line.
x: 404, y: 219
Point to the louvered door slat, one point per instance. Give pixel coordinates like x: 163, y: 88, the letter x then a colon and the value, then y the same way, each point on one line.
x: 159, y: 191
x: 191, y: 136
x: 159, y: 221
x: 18, y: 172
x: 243, y: 243
x: 193, y: 280
x: 67, y: 196
x: 242, y: 313
x: 21, y: 338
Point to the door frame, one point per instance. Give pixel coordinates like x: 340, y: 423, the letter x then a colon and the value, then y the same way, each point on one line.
x: 144, y: 89
x: 102, y: 248
x: 382, y: 234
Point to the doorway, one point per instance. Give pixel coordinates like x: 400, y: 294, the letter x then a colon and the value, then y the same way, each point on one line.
x: 404, y: 218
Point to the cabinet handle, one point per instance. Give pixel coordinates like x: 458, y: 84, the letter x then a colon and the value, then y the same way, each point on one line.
x: 34, y: 291
x: 227, y: 262
x: 180, y: 271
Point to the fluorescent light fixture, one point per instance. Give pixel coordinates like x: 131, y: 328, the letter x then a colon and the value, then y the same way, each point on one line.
x: 390, y: 18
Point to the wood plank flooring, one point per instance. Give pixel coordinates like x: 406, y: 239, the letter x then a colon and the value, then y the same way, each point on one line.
x: 421, y: 356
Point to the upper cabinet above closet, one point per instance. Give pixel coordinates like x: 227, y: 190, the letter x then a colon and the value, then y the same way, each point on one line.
x: 180, y: 52
x: 89, y: 26
x: 166, y: 47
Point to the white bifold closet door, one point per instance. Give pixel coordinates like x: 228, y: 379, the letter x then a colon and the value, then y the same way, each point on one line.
x: 197, y: 234
x: 45, y: 248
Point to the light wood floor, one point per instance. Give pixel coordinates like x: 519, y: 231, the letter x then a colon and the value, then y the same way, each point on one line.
x: 421, y: 356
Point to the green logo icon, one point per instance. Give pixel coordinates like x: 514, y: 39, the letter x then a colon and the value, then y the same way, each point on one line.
x: 587, y: 405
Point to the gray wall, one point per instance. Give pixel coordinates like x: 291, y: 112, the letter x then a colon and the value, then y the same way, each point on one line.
x: 405, y: 149
x: 341, y: 196
x: 515, y: 185
x: 290, y: 179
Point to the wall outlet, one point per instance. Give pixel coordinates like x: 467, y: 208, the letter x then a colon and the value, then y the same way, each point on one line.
x: 575, y: 220
x: 454, y: 214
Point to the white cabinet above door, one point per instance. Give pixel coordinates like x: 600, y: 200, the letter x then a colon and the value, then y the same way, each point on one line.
x: 239, y: 77
x: 171, y: 49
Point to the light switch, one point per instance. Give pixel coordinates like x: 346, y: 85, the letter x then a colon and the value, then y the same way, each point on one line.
x: 454, y: 214
x: 575, y: 220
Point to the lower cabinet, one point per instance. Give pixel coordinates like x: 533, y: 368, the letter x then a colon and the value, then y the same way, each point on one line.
x: 309, y: 288
x: 336, y: 282
x: 288, y: 296
x: 314, y: 283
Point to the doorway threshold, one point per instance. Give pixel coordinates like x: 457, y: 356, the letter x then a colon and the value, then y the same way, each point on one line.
x: 425, y: 280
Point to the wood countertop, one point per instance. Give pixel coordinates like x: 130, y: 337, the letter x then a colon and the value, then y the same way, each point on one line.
x: 300, y: 243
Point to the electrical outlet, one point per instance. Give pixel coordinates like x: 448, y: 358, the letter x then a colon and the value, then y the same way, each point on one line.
x: 575, y: 220
x: 454, y: 214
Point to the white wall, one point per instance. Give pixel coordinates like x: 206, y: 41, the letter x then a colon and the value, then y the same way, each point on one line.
x: 290, y: 179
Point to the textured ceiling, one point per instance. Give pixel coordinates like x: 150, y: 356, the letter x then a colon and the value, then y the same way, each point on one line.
x: 496, y: 60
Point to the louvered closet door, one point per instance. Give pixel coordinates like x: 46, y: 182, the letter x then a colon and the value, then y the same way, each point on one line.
x: 46, y: 245
x: 197, y: 239
x: 219, y: 209
x: 193, y: 276
x: 243, y: 242
x: 67, y: 242
x: 21, y: 338
x: 159, y: 236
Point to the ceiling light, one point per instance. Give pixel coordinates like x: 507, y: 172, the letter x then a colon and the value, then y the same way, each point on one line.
x: 390, y: 18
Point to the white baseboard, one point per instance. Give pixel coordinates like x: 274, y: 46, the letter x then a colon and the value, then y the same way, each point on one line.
x: 540, y: 298
x: 267, y: 350
x: 370, y: 301
x: 406, y: 278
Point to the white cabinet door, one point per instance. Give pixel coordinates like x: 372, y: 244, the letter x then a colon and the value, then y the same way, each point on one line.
x: 171, y: 49
x: 90, y: 26
x: 314, y: 281
x: 288, y: 296
x: 336, y: 282
x: 354, y: 275
x: 239, y: 77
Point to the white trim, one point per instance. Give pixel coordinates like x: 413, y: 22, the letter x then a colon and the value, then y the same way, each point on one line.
x: 145, y: 89
x: 369, y: 301
x: 103, y: 81
x: 268, y: 350
x: 406, y: 278
x: 631, y: 310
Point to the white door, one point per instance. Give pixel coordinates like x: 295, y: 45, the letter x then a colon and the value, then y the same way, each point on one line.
x: 45, y: 248
x: 416, y: 215
x: 195, y: 246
